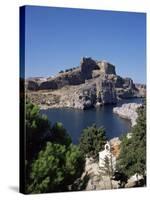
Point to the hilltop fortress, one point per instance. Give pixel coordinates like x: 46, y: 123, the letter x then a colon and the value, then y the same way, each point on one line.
x: 92, y: 83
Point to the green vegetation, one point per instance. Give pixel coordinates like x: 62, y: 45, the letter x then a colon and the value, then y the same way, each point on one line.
x: 56, y: 168
x: 92, y: 141
x: 53, y: 163
x: 60, y: 135
x: 108, y: 169
x: 37, y: 127
x: 132, y: 159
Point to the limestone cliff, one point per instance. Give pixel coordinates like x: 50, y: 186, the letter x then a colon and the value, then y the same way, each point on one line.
x: 92, y: 83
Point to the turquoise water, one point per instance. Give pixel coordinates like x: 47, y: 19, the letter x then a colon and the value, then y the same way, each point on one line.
x: 75, y: 120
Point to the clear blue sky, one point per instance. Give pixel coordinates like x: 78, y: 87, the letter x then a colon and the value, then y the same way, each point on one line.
x: 57, y: 38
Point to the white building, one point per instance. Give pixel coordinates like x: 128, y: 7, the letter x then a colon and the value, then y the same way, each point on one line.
x: 106, y: 154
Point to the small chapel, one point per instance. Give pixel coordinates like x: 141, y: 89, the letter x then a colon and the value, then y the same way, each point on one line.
x: 107, y: 153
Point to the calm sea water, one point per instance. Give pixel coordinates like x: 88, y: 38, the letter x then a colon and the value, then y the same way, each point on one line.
x: 75, y: 120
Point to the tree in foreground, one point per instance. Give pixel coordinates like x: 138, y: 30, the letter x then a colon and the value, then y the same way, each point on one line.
x: 108, y: 169
x: 59, y: 134
x: 37, y: 126
x: 38, y: 133
x: 92, y: 141
x: 132, y: 159
x: 56, y: 168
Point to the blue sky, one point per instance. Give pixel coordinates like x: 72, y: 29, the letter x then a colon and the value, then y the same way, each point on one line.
x: 57, y: 38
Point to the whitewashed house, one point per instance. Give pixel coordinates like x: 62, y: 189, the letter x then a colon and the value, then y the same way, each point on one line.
x: 106, y: 154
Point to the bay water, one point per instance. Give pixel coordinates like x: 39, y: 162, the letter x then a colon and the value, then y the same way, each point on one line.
x: 75, y: 120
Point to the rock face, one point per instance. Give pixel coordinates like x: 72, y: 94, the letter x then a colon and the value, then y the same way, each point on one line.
x: 86, y: 97
x: 32, y: 85
x: 106, y: 92
x: 97, y: 180
x: 87, y: 67
x: 48, y: 84
x: 141, y: 90
x: 106, y: 67
x: 128, y: 83
x: 128, y: 111
x: 92, y: 83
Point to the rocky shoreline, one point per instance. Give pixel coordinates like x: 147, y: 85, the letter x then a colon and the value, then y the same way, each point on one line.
x: 128, y: 111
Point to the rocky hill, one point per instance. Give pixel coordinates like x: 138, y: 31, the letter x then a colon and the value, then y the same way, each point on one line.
x: 92, y: 83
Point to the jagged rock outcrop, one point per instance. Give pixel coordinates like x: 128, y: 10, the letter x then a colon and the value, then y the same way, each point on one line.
x: 106, y: 92
x: 78, y: 75
x: 128, y: 111
x: 61, y: 80
x: 86, y: 97
x: 92, y: 83
x: 128, y: 83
